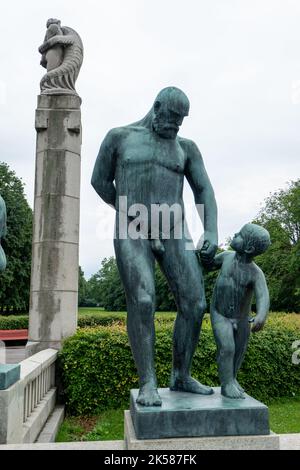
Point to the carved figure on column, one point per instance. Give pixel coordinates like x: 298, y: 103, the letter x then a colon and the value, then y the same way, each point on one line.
x: 62, y: 56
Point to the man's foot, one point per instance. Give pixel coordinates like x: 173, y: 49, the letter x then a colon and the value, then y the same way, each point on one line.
x: 231, y: 391
x: 190, y: 385
x: 238, y: 386
x: 148, y: 396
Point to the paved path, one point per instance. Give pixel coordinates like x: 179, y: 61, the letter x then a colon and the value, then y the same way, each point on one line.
x: 14, y: 354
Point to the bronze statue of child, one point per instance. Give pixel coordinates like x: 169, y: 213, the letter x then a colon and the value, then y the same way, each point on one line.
x: 238, y: 280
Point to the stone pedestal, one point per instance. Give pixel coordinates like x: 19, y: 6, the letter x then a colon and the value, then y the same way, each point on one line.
x: 191, y: 415
x: 11, y: 413
x: 265, y: 442
x: 54, y: 275
x: 9, y: 374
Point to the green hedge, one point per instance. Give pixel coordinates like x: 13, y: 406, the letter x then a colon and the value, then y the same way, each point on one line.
x: 14, y: 322
x: 100, y: 318
x: 98, y: 370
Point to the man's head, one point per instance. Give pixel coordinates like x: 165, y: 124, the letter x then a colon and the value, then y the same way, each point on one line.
x: 170, y: 108
x: 252, y: 239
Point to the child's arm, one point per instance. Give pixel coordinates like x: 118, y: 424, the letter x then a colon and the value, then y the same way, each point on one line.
x: 216, y: 262
x: 262, y: 300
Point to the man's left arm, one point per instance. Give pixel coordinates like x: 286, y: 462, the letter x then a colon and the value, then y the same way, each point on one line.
x: 204, y: 194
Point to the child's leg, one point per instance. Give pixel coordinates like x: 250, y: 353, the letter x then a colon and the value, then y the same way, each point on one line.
x: 241, y: 338
x: 223, y: 332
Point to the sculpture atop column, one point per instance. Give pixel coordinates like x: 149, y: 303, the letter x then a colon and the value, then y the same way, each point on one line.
x: 54, y: 273
x: 62, y: 56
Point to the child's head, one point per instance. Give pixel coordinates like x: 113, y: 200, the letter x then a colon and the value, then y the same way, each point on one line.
x: 252, y: 239
x: 53, y: 28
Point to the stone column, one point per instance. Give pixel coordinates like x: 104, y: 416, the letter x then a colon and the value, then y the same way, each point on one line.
x: 54, y: 274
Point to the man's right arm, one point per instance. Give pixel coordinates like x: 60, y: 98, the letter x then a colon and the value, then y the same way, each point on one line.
x: 104, y: 170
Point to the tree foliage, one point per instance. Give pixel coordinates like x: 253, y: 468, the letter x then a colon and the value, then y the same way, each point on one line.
x: 281, y: 262
x: 15, y: 280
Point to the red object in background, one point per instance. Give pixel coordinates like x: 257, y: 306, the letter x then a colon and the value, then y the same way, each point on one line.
x: 13, y: 335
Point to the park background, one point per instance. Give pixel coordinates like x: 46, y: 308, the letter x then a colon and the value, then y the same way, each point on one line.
x: 238, y: 64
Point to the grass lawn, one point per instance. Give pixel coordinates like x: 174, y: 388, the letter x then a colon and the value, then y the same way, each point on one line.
x: 90, y: 310
x: 109, y: 425
x: 285, y: 415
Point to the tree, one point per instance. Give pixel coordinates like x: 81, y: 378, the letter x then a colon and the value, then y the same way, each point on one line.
x: 84, y: 295
x: 15, y: 280
x: 281, y: 262
x: 105, y: 286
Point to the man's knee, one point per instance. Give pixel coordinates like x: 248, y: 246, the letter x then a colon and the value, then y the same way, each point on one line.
x: 194, y: 308
x: 144, y: 304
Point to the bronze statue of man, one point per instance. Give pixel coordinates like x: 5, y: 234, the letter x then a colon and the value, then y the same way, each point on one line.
x: 147, y: 162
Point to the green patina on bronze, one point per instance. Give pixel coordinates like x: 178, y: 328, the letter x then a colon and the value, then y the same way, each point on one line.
x: 238, y: 280
x: 147, y: 162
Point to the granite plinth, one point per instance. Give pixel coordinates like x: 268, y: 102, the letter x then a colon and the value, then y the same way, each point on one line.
x: 9, y: 374
x: 191, y: 415
x: 266, y: 442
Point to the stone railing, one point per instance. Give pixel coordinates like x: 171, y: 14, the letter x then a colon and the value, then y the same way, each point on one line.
x: 26, y: 405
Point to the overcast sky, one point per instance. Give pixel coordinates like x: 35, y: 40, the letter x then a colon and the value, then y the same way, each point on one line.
x: 237, y: 60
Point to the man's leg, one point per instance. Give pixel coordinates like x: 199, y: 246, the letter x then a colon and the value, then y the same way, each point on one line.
x: 136, y: 267
x: 224, y: 336
x: 183, y: 272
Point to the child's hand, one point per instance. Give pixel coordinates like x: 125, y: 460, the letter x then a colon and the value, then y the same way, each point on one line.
x: 258, y: 324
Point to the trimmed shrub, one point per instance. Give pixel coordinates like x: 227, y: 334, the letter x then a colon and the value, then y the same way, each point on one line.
x: 86, y: 320
x: 98, y: 370
x: 14, y: 322
x: 103, y: 318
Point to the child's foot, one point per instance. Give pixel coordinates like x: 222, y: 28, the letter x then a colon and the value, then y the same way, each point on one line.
x: 238, y: 386
x: 188, y: 384
x: 231, y: 391
x: 148, y: 396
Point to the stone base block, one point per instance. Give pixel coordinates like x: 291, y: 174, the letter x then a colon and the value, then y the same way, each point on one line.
x: 190, y: 415
x: 266, y: 442
x: 9, y: 374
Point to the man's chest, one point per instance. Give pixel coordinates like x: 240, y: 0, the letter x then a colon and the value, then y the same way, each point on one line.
x: 151, y: 154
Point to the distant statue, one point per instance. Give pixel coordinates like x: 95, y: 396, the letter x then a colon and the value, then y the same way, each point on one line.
x: 238, y: 280
x: 2, y: 233
x: 146, y: 163
x: 62, y: 56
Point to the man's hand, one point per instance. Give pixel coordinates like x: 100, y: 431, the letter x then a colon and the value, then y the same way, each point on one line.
x: 208, y: 250
x: 258, y: 324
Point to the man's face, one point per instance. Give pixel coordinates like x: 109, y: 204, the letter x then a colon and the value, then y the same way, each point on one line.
x: 167, y: 120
